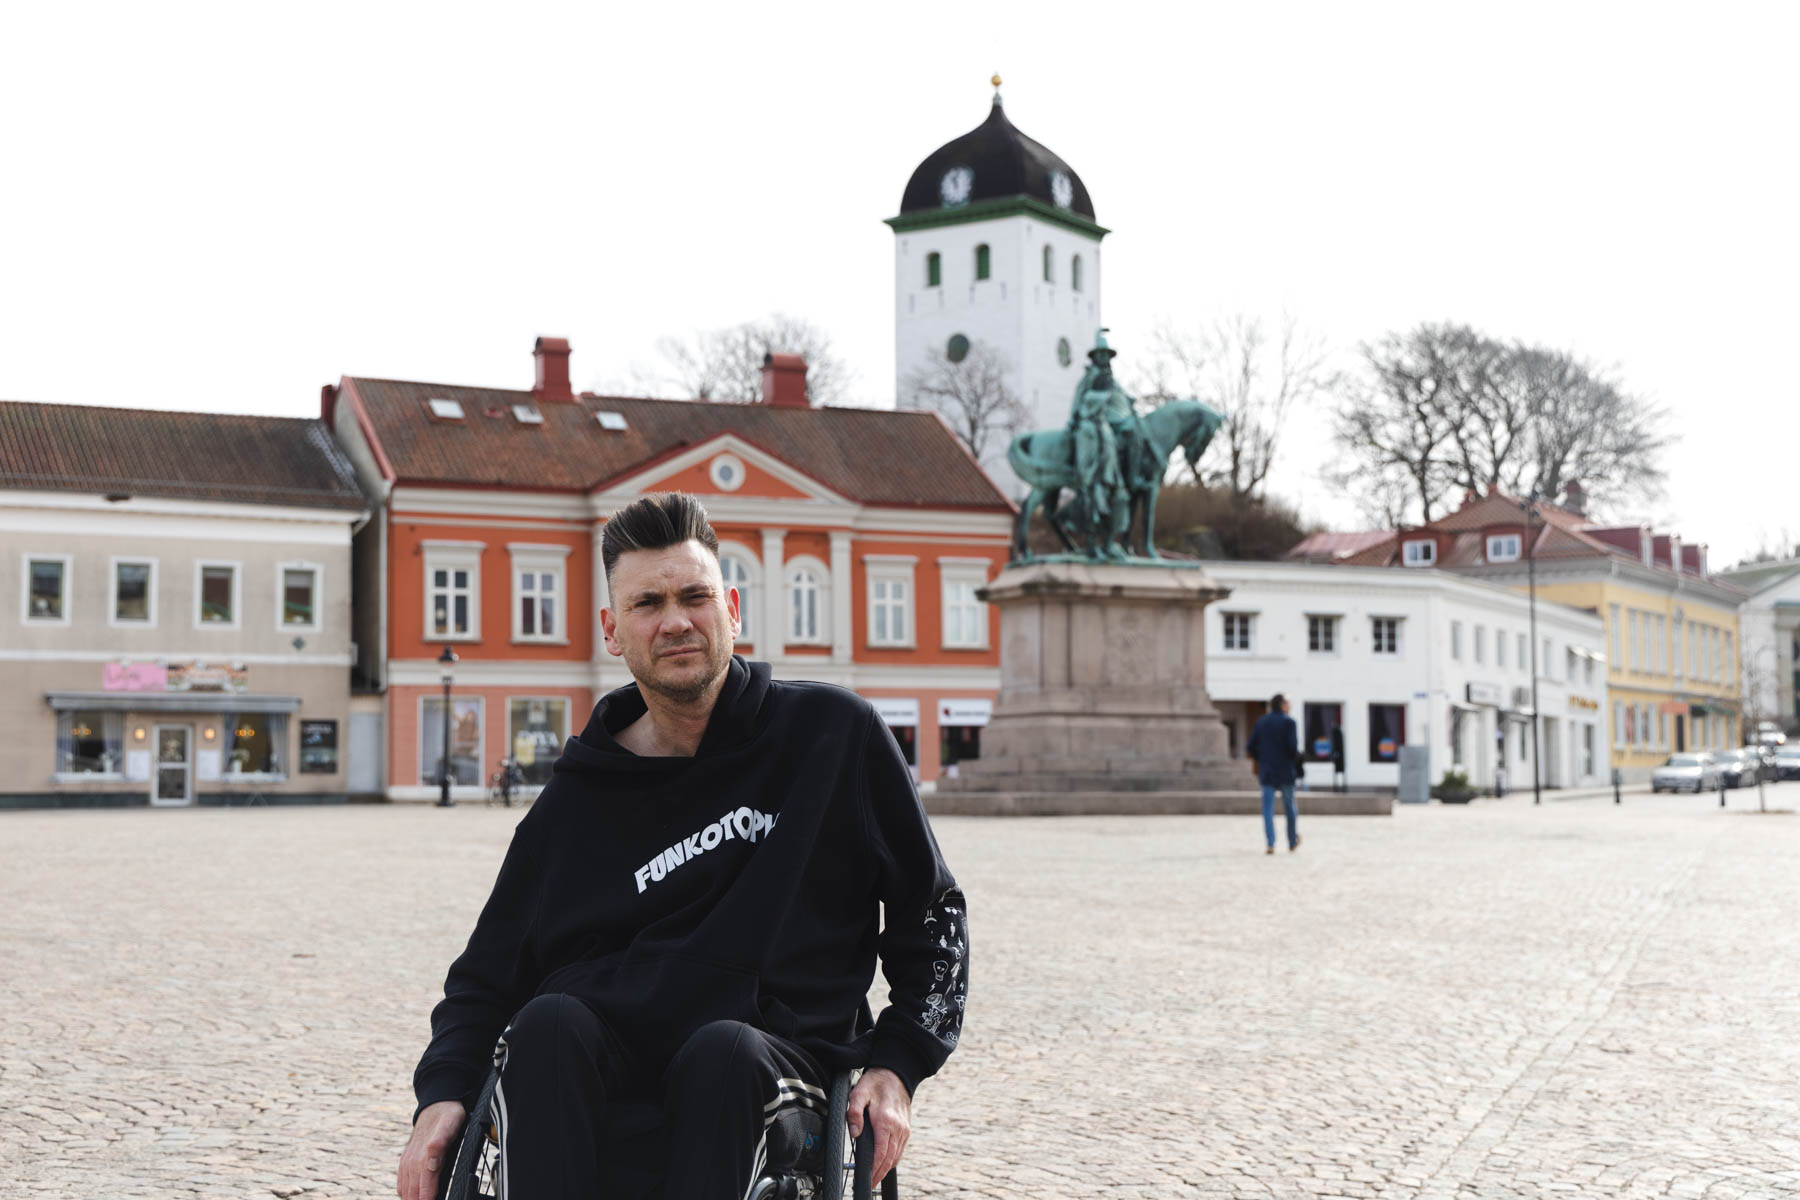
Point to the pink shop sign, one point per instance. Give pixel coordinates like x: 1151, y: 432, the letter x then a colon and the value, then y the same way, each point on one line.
x: 134, y: 677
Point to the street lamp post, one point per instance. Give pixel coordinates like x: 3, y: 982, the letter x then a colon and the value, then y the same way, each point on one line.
x: 1537, y: 791
x: 447, y: 661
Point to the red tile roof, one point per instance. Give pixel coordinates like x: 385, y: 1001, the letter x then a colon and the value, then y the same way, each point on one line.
x: 176, y: 455
x: 1334, y: 547
x: 877, y: 457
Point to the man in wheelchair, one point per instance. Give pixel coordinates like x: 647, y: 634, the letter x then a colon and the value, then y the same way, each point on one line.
x: 691, y: 912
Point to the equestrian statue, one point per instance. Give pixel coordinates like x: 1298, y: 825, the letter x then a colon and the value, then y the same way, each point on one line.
x: 1110, y: 459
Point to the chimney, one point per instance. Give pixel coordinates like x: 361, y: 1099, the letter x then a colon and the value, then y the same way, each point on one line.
x: 1704, y: 573
x: 1575, y: 498
x: 328, y: 396
x: 1646, y: 546
x: 552, y: 386
x: 784, y: 381
x: 1675, y: 553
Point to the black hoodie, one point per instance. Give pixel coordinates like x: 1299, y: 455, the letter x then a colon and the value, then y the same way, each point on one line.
x: 741, y: 883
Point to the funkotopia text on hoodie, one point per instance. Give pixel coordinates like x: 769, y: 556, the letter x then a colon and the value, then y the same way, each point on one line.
x: 745, y: 883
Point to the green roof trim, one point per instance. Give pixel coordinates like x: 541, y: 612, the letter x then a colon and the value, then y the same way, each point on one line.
x: 993, y: 210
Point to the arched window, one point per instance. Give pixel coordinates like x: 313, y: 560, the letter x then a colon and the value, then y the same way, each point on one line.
x: 805, y: 602
x: 737, y: 574
x: 934, y: 269
x: 981, y: 261
x: 1075, y: 273
x: 1049, y: 264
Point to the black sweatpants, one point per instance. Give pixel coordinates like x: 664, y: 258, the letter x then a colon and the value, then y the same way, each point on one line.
x: 735, y: 1102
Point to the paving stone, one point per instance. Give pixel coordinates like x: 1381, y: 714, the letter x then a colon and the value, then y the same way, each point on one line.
x: 1494, y: 1001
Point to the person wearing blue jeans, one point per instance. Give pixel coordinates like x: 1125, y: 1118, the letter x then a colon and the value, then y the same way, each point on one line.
x: 1274, y: 751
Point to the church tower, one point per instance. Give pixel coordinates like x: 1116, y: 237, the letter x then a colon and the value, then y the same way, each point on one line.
x: 996, y: 245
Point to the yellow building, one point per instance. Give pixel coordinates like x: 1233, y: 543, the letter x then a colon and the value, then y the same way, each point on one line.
x: 1671, y: 628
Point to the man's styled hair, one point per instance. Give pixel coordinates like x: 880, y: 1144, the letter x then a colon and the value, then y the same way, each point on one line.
x: 1277, y: 702
x: 656, y: 522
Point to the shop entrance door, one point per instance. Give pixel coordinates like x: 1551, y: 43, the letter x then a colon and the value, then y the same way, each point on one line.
x: 173, y: 782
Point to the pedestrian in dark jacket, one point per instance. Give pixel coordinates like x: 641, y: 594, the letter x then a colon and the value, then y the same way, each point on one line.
x: 692, y: 911
x: 1274, y: 750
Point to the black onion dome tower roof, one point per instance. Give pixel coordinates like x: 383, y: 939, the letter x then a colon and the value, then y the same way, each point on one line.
x: 1005, y: 164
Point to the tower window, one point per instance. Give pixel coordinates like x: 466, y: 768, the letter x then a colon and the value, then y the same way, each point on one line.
x: 958, y: 349
x: 1075, y: 272
x: 934, y: 269
x: 981, y: 261
x: 1049, y: 265
x: 1063, y: 354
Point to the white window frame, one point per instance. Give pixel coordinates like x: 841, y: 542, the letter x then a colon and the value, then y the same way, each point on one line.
x: 750, y: 601
x: 68, y: 588
x: 1479, y: 652
x: 1499, y: 646
x: 1331, y: 642
x: 1375, y: 637
x: 112, y: 590
x: 959, y: 572
x: 539, y: 558
x: 452, y: 556
x: 1503, y: 547
x: 318, y: 574
x: 237, y: 593
x: 1249, y: 632
x: 437, y: 697
x: 891, y: 569
x: 790, y: 575
x: 1426, y: 556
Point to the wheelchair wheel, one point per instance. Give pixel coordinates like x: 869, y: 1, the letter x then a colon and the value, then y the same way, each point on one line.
x: 475, y: 1167
x: 850, y: 1166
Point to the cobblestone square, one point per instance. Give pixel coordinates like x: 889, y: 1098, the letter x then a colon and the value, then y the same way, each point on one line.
x: 1498, y: 1000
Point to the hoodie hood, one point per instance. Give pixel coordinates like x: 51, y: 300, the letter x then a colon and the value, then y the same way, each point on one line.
x: 737, y: 717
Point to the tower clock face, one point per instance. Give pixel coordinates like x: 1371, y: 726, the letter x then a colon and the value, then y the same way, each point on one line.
x: 1062, y: 189
x: 955, y: 187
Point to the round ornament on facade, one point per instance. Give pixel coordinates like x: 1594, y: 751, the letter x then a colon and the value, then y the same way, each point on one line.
x: 958, y: 349
x: 957, y: 184
x: 1063, y: 354
x: 727, y: 473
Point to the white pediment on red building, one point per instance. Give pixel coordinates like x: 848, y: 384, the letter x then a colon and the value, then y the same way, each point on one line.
x: 721, y: 469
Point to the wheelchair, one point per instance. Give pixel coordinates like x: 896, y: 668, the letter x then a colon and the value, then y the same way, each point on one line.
x: 843, y: 1164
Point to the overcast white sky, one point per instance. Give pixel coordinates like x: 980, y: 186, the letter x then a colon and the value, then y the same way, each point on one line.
x: 221, y: 207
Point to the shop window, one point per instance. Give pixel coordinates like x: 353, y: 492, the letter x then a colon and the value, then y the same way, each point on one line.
x: 255, y: 744
x: 1387, y: 732
x: 958, y: 744
x: 465, y: 740
x: 1322, y: 735
x: 535, y: 729
x: 318, y: 747
x: 47, y: 589
x: 89, y: 743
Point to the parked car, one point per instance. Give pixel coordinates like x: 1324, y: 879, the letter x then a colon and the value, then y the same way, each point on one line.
x: 1741, y: 767
x: 1787, y: 762
x: 1765, y: 760
x: 1687, y: 773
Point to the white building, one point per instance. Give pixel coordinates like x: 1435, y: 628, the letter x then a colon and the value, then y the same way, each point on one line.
x: 996, y: 245
x: 1418, y: 657
x: 1769, y: 624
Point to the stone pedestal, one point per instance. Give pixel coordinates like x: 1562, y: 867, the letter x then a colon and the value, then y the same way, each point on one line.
x: 1102, y: 688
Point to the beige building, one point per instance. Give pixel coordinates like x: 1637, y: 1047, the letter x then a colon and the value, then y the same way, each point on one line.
x: 179, y: 586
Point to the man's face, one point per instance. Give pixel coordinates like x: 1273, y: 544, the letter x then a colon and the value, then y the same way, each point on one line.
x: 671, y: 619
x: 1287, y: 706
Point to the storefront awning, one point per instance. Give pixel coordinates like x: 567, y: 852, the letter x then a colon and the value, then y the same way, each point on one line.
x: 172, y: 702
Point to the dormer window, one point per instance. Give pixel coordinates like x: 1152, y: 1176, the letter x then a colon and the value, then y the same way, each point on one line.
x: 611, y: 421
x: 1418, y: 554
x: 445, y: 410
x: 527, y: 414
x: 1503, y: 547
x: 982, y: 261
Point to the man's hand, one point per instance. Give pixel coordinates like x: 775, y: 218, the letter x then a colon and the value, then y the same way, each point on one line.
x: 889, y: 1108
x: 423, y: 1159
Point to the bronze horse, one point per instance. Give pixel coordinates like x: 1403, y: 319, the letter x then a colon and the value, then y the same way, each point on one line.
x: 1045, y: 460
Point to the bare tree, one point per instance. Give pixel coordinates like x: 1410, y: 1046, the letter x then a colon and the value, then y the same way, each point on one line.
x: 726, y: 364
x: 972, y: 394
x: 1253, y: 378
x: 1445, y: 407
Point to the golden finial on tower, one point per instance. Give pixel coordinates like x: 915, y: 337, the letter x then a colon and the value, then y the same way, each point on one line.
x: 995, y: 80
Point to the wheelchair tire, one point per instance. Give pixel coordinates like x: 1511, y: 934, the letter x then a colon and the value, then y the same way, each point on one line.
x: 463, y: 1180
x: 836, y: 1161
